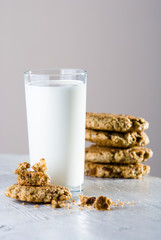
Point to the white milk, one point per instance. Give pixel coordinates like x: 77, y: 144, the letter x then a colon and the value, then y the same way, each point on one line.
x: 56, y: 129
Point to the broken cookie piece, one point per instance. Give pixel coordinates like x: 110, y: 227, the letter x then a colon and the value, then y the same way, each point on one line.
x: 99, y: 203
x: 102, y: 203
x: 40, y: 167
x: 21, y: 167
x: 86, y: 200
x: 32, y: 178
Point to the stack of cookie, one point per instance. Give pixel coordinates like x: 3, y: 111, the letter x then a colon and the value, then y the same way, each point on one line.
x: 118, y: 150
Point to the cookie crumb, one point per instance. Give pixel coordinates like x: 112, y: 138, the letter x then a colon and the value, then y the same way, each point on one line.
x: 36, y: 206
x: 63, y: 204
x: 55, y: 204
x: 23, y: 203
x: 119, y: 204
x: 48, y: 205
x: 102, y: 203
x: 69, y: 207
x: 99, y: 203
x: 86, y: 200
x: 129, y: 203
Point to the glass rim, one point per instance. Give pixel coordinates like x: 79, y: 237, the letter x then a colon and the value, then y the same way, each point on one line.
x: 56, y: 72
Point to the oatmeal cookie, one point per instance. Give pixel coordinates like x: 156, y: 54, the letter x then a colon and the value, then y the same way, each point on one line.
x: 38, y: 177
x: 115, y: 139
x: 115, y: 170
x: 40, y: 194
x: 21, y: 167
x: 31, y: 178
x: 40, y: 167
x: 134, y: 155
x: 115, y: 122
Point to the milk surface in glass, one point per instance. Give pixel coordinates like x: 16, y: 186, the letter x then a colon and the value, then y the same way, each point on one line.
x: 56, y: 128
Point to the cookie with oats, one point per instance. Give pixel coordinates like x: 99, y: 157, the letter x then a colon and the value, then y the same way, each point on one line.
x: 21, y: 167
x: 115, y: 139
x: 115, y: 170
x: 40, y: 166
x: 134, y: 155
x: 115, y: 122
x: 38, y: 177
x: 31, y: 178
x: 38, y: 194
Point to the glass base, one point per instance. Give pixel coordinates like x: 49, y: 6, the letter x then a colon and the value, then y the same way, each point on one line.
x: 78, y: 189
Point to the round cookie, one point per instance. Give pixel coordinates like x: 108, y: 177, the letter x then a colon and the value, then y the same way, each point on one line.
x: 115, y: 122
x: 134, y: 155
x: 43, y: 194
x: 114, y: 139
x: 115, y: 171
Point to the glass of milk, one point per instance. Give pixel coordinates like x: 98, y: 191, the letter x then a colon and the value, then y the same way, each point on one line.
x: 56, y: 106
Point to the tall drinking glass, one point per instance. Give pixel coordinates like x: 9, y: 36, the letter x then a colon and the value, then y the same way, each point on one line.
x: 56, y: 106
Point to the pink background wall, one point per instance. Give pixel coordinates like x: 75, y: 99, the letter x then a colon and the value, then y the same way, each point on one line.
x: 117, y: 42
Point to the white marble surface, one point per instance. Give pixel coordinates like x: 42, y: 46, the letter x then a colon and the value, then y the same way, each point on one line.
x: 139, y: 221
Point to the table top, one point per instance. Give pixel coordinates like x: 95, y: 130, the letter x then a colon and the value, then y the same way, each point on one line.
x: 139, y: 221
